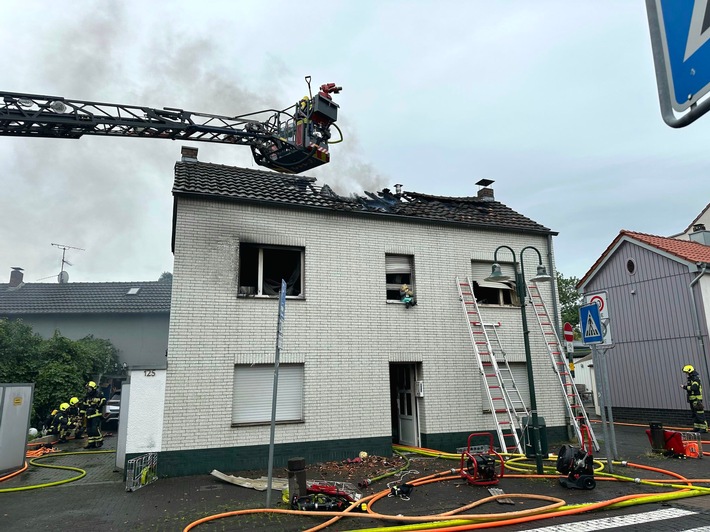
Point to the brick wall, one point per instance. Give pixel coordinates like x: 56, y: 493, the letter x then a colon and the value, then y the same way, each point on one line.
x: 344, y: 331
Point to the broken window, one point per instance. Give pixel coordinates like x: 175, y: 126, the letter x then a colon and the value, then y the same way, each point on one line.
x: 399, y: 270
x: 493, y: 292
x: 261, y: 269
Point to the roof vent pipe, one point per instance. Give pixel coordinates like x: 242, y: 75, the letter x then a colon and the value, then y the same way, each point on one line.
x: 398, y: 188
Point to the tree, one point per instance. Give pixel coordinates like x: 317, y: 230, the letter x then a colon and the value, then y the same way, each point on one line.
x: 58, y: 367
x: 570, y: 299
x: 165, y: 277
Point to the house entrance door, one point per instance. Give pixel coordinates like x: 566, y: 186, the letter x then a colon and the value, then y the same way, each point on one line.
x: 405, y: 426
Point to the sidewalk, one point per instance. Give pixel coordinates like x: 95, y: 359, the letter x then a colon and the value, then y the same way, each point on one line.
x: 99, y: 500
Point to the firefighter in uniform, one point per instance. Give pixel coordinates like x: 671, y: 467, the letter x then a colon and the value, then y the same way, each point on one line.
x: 94, y: 402
x: 49, y: 422
x: 76, y: 416
x: 694, y: 390
x: 61, y: 422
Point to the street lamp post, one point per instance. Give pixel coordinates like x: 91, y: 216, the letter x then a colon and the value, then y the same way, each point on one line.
x: 521, y: 290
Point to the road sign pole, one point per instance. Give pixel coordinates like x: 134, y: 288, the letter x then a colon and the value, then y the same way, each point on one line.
x: 598, y: 362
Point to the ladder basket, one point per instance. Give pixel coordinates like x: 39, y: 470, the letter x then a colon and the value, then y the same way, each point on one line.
x: 141, y: 471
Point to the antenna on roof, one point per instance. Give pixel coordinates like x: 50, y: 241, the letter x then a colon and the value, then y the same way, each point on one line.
x: 63, y: 276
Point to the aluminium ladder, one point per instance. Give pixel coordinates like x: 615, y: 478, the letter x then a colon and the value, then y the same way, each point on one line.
x: 501, y: 406
x: 510, y: 388
x: 576, y: 412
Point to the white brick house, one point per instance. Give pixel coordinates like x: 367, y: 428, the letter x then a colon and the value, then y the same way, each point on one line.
x: 352, y: 352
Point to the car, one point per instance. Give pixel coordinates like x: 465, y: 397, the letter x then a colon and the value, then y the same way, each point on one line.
x: 112, y: 409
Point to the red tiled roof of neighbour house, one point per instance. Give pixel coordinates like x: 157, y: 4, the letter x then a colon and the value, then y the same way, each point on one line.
x: 85, y: 298
x: 241, y: 184
x: 683, y: 249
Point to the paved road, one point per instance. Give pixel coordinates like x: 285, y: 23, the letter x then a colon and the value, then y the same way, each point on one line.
x: 99, y: 500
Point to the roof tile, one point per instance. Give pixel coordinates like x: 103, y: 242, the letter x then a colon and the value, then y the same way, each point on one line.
x: 85, y: 298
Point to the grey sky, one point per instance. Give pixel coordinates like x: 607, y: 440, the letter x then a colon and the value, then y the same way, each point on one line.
x: 554, y: 100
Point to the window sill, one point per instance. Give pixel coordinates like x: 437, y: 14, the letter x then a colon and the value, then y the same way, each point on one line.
x: 247, y: 296
x: 267, y: 423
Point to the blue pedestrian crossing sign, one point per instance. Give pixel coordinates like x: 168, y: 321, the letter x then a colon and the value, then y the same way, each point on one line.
x: 680, y: 35
x: 591, y: 323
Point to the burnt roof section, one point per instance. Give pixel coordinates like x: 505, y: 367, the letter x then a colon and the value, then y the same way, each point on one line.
x: 241, y: 184
x: 85, y: 298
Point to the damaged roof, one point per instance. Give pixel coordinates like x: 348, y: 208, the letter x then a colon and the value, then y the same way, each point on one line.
x: 85, y: 298
x: 242, y: 184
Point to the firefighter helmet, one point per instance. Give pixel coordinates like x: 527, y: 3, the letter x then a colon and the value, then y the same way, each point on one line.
x: 73, y: 401
x: 63, y: 406
x: 91, y: 385
x: 688, y: 369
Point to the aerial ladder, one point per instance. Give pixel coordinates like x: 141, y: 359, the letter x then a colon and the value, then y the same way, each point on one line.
x: 502, y: 394
x: 292, y: 140
x: 576, y: 413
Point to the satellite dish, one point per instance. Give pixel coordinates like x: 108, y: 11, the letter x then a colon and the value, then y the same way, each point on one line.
x: 63, y: 277
x: 57, y: 106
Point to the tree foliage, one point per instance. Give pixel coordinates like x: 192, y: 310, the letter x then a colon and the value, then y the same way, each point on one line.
x: 58, y: 367
x: 165, y: 277
x: 570, y: 299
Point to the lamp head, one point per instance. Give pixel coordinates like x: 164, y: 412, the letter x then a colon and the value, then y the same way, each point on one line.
x: 541, y: 275
x: 496, y: 274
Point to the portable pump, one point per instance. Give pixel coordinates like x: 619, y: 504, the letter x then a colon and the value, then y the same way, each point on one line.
x: 578, y: 464
x: 481, y: 465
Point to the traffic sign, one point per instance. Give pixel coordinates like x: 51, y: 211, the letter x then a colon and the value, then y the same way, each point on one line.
x: 600, y: 298
x: 569, y: 332
x: 680, y: 31
x: 591, y: 324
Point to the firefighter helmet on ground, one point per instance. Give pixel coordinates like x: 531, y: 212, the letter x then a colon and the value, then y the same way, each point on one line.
x: 73, y: 401
x: 688, y: 369
x: 63, y: 406
x: 91, y: 385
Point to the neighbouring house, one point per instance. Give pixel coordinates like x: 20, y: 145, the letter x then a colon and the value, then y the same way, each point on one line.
x: 658, y: 294
x: 134, y: 316
x: 696, y: 230
x: 359, y: 368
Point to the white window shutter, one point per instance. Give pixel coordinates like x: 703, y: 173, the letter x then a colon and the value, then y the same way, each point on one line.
x: 398, y: 264
x: 254, y: 388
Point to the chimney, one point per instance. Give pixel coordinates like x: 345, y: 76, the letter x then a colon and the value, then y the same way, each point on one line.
x: 189, y: 154
x: 16, y: 276
x: 485, y: 193
x: 398, y: 189
x: 700, y: 235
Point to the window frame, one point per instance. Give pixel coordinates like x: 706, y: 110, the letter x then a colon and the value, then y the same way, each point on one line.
x: 258, y: 291
x: 253, y: 389
x: 394, y: 268
x: 481, y: 292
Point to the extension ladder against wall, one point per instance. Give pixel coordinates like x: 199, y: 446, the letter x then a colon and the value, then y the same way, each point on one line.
x: 576, y: 413
x: 499, y: 398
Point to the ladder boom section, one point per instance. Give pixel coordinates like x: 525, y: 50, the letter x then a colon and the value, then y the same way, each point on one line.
x: 291, y: 140
x: 58, y: 117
